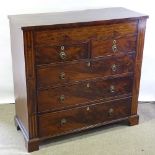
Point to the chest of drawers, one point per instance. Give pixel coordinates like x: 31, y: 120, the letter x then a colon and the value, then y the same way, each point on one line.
x: 75, y: 71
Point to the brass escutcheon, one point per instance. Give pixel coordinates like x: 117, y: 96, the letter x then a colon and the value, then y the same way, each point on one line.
x: 88, y: 64
x: 62, y: 98
x: 111, y: 111
x: 87, y: 108
x: 63, y: 121
x: 88, y: 85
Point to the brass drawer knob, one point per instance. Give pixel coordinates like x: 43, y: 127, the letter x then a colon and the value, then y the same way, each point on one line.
x: 62, y: 98
x: 62, y: 76
x: 111, y: 111
x: 63, y: 121
x: 114, y: 68
x: 112, y: 88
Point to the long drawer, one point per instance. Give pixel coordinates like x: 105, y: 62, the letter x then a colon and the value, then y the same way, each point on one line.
x: 62, y: 73
x: 82, y: 93
x: 70, y: 35
x: 52, y: 124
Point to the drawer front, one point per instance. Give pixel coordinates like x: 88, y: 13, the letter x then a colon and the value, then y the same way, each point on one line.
x: 82, y: 93
x: 82, y: 70
x: 52, y: 124
x: 68, y: 35
x: 61, y: 53
x: 113, y: 46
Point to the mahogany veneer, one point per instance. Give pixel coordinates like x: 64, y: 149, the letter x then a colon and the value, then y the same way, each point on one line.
x: 75, y: 70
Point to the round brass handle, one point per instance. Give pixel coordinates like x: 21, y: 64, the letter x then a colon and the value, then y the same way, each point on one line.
x: 63, y: 121
x: 62, y: 55
x: 62, y: 98
x: 111, y: 111
x: 114, y: 68
x: 112, y: 88
x: 62, y: 75
x: 114, y: 48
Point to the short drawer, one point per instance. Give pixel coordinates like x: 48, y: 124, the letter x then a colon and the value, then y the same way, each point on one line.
x: 62, y: 53
x: 113, y: 46
x: 82, y: 70
x: 75, y: 34
x: 56, y: 123
x: 83, y: 93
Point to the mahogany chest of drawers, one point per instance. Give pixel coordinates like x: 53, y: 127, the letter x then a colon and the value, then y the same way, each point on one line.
x: 75, y: 70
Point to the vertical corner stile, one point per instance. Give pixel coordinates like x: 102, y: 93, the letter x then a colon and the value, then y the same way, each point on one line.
x: 31, y: 82
x: 138, y: 63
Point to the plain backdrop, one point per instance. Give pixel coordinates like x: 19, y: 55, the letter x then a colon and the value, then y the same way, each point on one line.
x: 8, y: 7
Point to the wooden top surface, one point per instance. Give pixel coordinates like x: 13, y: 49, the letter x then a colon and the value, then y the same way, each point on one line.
x: 28, y: 20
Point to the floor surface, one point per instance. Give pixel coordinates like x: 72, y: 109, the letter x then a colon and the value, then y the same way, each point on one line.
x: 116, y: 139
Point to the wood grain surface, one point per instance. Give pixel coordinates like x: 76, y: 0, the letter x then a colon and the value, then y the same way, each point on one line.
x: 51, y: 124
x: 50, y: 75
x: 83, y: 93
